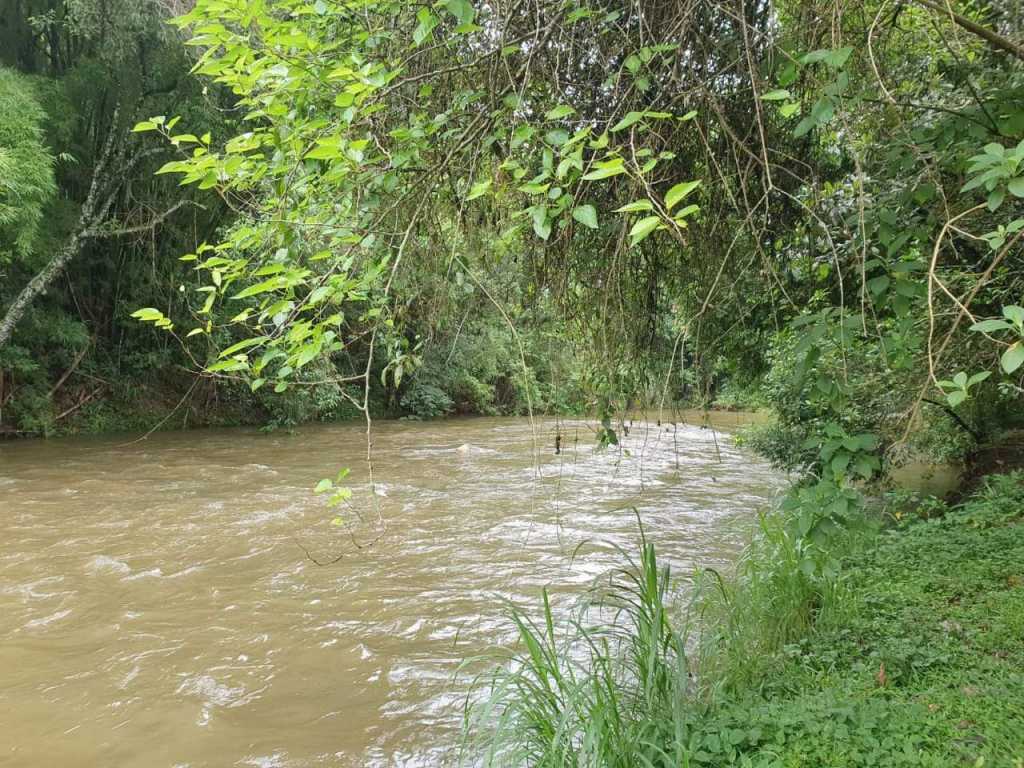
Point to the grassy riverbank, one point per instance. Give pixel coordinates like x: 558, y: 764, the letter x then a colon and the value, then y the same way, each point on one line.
x: 917, y: 658
x: 910, y: 653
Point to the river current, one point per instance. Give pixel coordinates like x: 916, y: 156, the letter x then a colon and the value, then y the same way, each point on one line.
x: 187, y: 600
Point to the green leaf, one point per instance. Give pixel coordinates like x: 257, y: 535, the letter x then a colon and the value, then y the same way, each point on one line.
x: 840, y: 462
x: 630, y: 119
x: 145, y: 125
x: 679, y: 192
x: 604, y: 173
x: 1016, y: 186
x: 956, y: 397
x: 780, y: 94
x: 823, y: 111
x: 228, y: 365
x: 644, y: 227
x: 978, y: 378
x: 804, y: 127
x: 312, y: 350
x: 635, y: 206
x: 323, y: 486
x: 244, y: 344
x: 879, y: 285
x: 461, y: 10
x: 995, y: 199
x: 834, y: 58
x: 324, y: 151
x: 1013, y: 357
x: 535, y: 189
x: 1014, y: 314
x: 988, y: 326
x: 562, y: 110
x: 541, y: 223
x: 586, y: 215
x: 173, y: 166
x: 867, y: 441
x: 837, y: 58
x: 521, y: 135
x: 148, y: 314
x: 252, y: 290
x: 427, y: 22
x: 479, y: 189
x: 682, y: 213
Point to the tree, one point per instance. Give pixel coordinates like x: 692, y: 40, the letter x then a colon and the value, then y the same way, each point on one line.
x: 26, y: 167
x: 112, y: 171
x: 113, y: 233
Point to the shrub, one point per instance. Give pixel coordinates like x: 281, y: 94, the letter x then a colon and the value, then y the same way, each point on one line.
x: 425, y: 401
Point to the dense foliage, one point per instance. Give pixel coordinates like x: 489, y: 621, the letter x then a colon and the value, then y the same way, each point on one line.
x: 94, y: 233
x: 487, y: 208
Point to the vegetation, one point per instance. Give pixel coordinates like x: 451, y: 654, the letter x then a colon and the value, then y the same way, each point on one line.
x: 907, y: 654
x: 643, y: 204
x: 611, y: 694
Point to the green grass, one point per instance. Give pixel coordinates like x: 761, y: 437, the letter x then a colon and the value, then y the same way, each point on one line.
x: 911, y: 654
x: 924, y: 667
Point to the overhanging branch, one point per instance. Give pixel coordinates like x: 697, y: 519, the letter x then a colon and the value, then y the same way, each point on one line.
x: 992, y: 37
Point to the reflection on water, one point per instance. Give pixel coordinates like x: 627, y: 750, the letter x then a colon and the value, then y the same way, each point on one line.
x: 158, y: 608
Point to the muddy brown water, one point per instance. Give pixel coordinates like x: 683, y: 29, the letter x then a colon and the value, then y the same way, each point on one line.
x: 158, y: 607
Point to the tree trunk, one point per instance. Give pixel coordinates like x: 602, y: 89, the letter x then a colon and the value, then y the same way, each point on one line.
x: 37, y: 286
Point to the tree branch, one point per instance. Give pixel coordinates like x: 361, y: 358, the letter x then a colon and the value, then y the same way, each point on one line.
x: 955, y: 416
x: 149, y: 226
x: 990, y: 36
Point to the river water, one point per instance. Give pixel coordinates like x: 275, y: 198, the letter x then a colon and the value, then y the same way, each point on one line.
x: 160, y: 604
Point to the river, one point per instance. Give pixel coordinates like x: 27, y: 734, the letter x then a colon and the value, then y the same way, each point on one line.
x: 160, y: 604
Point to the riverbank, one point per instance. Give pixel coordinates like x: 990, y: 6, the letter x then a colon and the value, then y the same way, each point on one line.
x: 205, y: 405
x: 904, y: 646
x: 916, y: 657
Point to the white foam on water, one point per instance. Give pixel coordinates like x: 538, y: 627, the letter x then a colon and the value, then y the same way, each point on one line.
x: 276, y: 760
x: 151, y: 573
x: 212, y: 692
x: 46, y: 620
x: 107, y: 564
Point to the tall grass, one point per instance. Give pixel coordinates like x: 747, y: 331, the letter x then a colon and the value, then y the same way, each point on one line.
x: 741, y: 623
x: 610, y: 690
x: 620, y: 685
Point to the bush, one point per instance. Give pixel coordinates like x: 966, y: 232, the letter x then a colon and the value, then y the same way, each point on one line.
x: 26, y: 167
x: 425, y: 401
